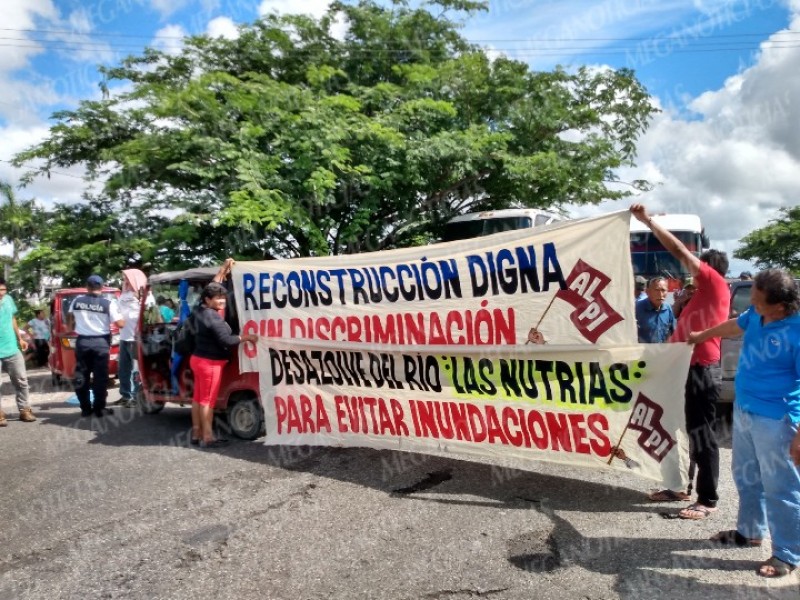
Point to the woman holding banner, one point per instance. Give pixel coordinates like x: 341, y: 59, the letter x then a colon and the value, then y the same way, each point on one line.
x: 213, y: 342
x: 766, y: 436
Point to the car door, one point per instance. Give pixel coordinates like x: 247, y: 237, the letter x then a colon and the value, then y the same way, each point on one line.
x: 730, y: 347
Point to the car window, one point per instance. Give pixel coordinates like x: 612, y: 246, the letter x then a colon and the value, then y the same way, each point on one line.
x: 740, y: 300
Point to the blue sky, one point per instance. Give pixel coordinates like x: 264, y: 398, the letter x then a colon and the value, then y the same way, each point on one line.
x: 727, y: 144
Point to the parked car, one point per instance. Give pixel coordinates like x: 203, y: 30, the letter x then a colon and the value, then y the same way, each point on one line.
x: 62, y: 341
x: 167, y: 378
x: 731, y: 347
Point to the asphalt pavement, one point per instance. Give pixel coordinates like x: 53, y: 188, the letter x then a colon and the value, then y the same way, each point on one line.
x: 124, y: 507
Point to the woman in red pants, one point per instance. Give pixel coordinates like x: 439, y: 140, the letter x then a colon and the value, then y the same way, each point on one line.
x: 213, y: 343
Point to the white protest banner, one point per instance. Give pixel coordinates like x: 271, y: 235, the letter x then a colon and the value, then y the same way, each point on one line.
x: 529, y: 333
x: 573, y: 283
x: 574, y: 404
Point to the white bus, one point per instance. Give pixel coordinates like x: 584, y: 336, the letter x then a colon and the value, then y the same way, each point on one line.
x: 648, y: 256
x: 477, y: 224
x: 650, y: 259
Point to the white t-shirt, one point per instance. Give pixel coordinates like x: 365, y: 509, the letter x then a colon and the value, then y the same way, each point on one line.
x: 129, y: 309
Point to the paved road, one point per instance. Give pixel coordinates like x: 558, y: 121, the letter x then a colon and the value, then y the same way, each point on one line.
x: 123, y: 508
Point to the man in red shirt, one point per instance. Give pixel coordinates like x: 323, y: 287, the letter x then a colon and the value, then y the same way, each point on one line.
x: 709, y: 306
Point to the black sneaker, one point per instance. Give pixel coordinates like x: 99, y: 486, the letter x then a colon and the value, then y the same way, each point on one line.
x: 86, y: 413
x: 103, y: 412
x: 119, y: 402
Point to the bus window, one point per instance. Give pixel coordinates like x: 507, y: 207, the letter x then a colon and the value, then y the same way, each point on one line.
x: 542, y: 220
x: 647, y: 242
x: 472, y: 225
x: 465, y: 230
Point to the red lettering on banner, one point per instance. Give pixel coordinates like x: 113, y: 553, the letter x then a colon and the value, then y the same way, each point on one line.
x: 559, y: 432
x: 593, y: 315
x: 301, y: 415
x: 578, y: 433
x: 577, y: 425
x: 370, y: 416
x: 598, y: 425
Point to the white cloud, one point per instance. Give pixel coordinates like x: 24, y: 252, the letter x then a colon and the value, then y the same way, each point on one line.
x: 169, y: 39
x: 736, y: 164
x: 26, y: 93
x: 222, y: 27
x: 315, y: 8
x: 79, y: 21
x: 65, y: 185
x: 167, y: 7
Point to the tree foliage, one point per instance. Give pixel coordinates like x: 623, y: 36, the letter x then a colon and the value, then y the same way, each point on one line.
x: 777, y: 244
x: 18, y: 225
x: 288, y: 141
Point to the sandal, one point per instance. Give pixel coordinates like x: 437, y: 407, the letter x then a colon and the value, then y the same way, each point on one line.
x: 697, y: 511
x: 668, y: 496
x: 778, y: 568
x: 218, y: 443
x: 734, y: 538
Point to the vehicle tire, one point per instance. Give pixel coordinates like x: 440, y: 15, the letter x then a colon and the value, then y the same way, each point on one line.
x: 148, y: 408
x: 245, y: 417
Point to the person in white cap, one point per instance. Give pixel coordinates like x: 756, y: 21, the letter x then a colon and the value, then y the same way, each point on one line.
x: 91, y: 316
x: 639, y: 285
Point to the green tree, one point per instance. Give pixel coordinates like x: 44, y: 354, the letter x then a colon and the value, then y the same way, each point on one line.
x: 17, y: 221
x: 290, y: 142
x: 777, y: 244
x: 96, y: 236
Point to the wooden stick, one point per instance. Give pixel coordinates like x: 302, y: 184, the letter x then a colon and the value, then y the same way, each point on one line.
x: 545, y: 311
x: 613, y: 451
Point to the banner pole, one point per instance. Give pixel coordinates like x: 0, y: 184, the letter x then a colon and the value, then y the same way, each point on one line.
x: 553, y: 299
x: 615, y: 448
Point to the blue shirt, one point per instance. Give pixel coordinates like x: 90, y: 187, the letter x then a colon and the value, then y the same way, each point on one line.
x: 768, y: 374
x: 9, y: 345
x: 654, y: 326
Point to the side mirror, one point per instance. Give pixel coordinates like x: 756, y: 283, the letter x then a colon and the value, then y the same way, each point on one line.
x: 704, y: 241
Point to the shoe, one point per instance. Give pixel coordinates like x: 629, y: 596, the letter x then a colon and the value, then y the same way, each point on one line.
x: 775, y: 567
x: 668, y: 496
x: 731, y: 537
x: 218, y: 443
x: 26, y: 415
x: 130, y: 404
x: 103, y: 411
x: 86, y: 413
x: 119, y: 402
x: 3, y: 419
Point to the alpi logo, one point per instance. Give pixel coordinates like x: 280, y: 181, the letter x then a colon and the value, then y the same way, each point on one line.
x: 646, y: 418
x: 593, y: 315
